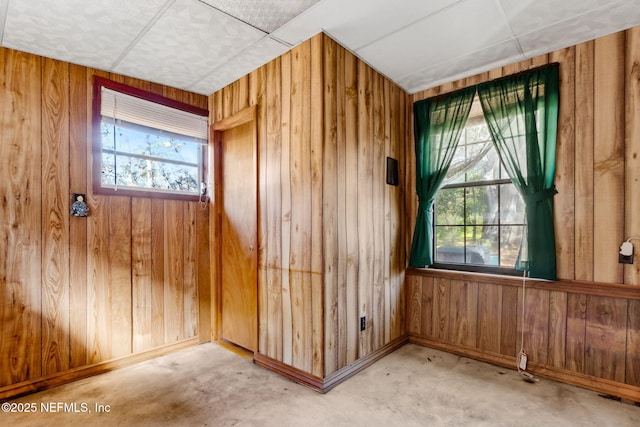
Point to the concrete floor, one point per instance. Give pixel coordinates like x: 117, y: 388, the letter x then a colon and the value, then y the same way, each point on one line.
x: 209, y: 385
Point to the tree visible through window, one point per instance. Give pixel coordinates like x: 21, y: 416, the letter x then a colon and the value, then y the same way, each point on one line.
x: 479, y: 214
x: 147, y: 143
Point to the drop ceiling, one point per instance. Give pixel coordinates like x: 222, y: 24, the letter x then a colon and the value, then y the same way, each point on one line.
x: 203, y: 45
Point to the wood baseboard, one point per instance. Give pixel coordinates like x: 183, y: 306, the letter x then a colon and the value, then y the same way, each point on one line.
x: 601, y: 385
x: 323, y: 385
x: 58, y: 379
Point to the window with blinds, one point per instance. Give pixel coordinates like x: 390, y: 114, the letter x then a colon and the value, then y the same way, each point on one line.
x: 145, y: 143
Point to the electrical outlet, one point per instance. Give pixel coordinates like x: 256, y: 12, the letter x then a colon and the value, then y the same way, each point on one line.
x: 363, y: 323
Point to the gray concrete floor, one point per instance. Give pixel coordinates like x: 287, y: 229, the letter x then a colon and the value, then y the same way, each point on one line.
x: 209, y: 385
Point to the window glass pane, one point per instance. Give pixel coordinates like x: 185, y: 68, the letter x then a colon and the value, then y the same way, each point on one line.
x: 108, y: 169
x: 148, y: 142
x: 450, y: 206
x: 479, y: 214
x: 510, y: 239
x: 482, y: 245
x: 449, y: 244
x: 484, y: 164
x: 482, y: 205
x: 145, y: 173
x: 512, y: 210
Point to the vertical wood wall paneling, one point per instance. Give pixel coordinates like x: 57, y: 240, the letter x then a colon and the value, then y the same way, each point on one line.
x: 593, y: 335
x: 352, y: 231
x: 81, y: 288
x: 608, y: 156
x: 336, y: 252
x: 536, y: 324
x: 425, y: 299
x: 342, y: 291
x: 78, y: 160
x: 157, y: 272
x: 632, y: 149
x: 584, y: 161
x: 576, y: 330
x: 141, y: 282
x: 300, y: 256
x: 414, y: 305
x: 190, y: 278
x: 632, y: 363
x: 440, y: 322
x: 557, y: 329
x: 366, y: 275
x: 20, y: 236
x: 388, y: 240
x: 379, y: 200
x: 285, y: 185
x: 463, y: 313
x: 204, y: 270
x: 564, y: 201
x: 330, y: 206
x: 606, y: 337
x: 119, y: 217
x: 317, y: 204
x: 489, y: 317
x: 215, y: 114
x: 272, y: 211
x: 256, y: 96
x: 55, y: 217
x: 98, y: 265
x: 173, y: 271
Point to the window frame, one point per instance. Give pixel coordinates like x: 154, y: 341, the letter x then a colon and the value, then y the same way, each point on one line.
x: 475, y: 268
x: 96, y: 152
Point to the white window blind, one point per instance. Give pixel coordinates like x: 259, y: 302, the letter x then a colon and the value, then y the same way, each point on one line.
x: 139, y: 111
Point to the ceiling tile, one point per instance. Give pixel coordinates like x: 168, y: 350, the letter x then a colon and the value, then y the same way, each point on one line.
x: 597, y: 23
x: 361, y: 22
x: 531, y: 15
x: 77, y: 31
x: 254, y: 57
x: 480, y: 61
x: 453, y: 32
x: 266, y: 15
x: 188, y: 41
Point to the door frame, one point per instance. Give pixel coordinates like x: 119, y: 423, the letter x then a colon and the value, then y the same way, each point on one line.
x: 245, y: 116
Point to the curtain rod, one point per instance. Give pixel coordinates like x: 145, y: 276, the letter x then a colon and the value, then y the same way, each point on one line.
x: 531, y: 69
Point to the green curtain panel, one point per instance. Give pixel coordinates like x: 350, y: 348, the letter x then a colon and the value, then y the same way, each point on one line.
x: 437, y: 128
x: 522, y: 114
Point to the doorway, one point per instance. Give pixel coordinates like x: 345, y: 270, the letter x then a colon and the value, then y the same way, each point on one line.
x: 237, y: 210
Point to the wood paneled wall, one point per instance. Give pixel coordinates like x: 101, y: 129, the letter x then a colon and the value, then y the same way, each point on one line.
x: 597, y: 168
x: 584, y: 328
x: 74, y: 292
x: 331, y: 232
x: 583, y: 333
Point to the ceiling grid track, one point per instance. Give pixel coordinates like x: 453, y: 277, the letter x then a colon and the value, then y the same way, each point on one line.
x: 142, y: 33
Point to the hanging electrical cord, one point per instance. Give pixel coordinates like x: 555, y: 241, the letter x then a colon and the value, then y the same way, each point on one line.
x: 521, y: 358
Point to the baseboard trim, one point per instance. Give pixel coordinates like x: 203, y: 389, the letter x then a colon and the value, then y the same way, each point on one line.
x: 601, y: 385
x: 323, y: 385
x: 58, y: 379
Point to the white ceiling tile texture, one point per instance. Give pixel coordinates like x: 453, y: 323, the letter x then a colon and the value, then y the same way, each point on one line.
x: 186, y: 43
x: 92, y: 33
x: 191, y: 45
x: 448, y: 34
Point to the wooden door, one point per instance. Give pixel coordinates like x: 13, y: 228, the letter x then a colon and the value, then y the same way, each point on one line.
x: 239, y: 311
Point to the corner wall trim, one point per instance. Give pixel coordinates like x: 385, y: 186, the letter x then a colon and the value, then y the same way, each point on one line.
x: 323, y: 385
